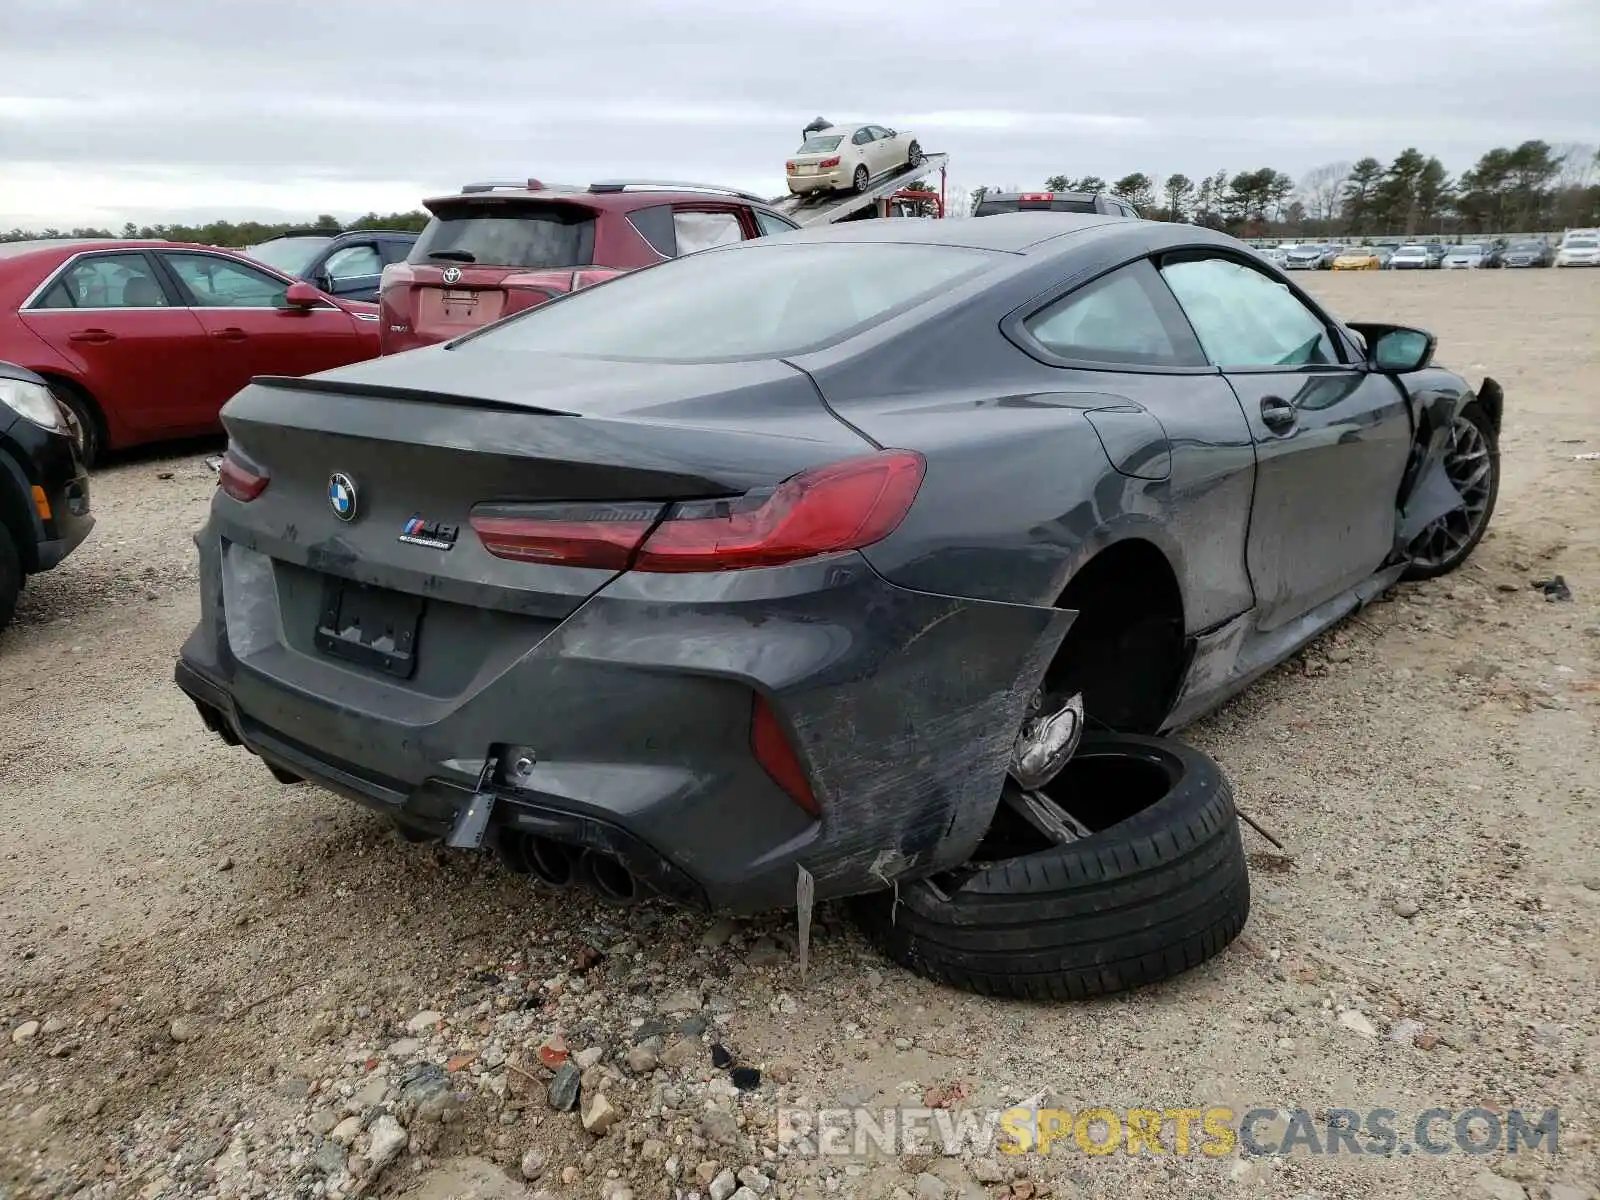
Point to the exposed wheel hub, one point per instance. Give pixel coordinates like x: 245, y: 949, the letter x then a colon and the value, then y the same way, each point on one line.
x: 1046, y: 742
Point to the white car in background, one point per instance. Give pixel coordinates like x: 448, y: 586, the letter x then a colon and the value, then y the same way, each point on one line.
x: 848, y: 157
x: 1410, y: 258
x: 1465, y: 258
x: 1579, y: 248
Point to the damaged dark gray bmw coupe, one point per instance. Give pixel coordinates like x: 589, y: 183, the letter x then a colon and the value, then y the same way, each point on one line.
x: 868, y: 558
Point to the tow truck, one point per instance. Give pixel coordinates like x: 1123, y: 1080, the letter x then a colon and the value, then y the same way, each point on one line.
x: 890, y: 195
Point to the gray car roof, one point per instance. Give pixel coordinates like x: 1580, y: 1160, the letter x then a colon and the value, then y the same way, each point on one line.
x: 1016, y: 233
x: 1012, y: 232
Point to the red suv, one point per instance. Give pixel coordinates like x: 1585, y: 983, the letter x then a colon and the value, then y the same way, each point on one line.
x: 498, y: 248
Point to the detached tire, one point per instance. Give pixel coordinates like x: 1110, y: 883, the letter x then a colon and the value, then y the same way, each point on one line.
x: 1144, y: 898
x: 10, y: 576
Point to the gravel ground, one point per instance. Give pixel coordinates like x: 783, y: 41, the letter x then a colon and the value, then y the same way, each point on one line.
x: 214, y: 985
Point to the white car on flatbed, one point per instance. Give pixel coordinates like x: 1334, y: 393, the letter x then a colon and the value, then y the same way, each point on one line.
x: 849, y: 157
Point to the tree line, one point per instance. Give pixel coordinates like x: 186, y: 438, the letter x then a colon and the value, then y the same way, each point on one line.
x: 1530, y: 187
x: 1533, y: 186
x: 229, y: 233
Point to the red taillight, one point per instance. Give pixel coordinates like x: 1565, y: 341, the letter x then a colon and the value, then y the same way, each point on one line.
x: 828, y: 163
x: 567, y: 535
x: 777, y: 757
x: 843, y: 506
x: 1045, y: 196
x: 239, y: 481
x: 789, y: 167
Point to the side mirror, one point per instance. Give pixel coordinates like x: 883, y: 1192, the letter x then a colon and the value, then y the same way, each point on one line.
x: 1397, y: 348
x: 301, y: 295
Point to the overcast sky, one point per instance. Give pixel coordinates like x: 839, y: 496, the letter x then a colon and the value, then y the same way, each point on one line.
x: 181, y: 109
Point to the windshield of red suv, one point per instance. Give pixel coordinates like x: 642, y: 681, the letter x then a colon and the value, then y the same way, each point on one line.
x: 503, y: 233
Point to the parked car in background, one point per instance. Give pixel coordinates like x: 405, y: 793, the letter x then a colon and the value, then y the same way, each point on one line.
x: 498, y: 248
x: 847, y: 157
x: 347, y: 265
x: 1410, y: 258
x: 1357, y: 258
x: 145, y: 340
x: 1528, y: 252
x: 1310, y: 256
x: 44, y: 488
x: 1469, y: 257
x: 1436, y: 252
x: 994, y: 203
x: 1579, y: 249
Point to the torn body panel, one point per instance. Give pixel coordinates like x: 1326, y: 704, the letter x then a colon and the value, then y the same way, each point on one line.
x: 635, y: 711
x: 1437, y: 397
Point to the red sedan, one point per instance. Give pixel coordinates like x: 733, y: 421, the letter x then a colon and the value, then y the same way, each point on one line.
x: 144, y: 340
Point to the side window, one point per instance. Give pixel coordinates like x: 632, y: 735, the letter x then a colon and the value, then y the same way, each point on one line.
x: 703, y: 230
x: 353, y: 262
x: 862, y: 137
x: 1118, y: 318
x: 1246, y: 319
x: 769, y: 224
x: 395, y: 251
x: 655, y: 225
x: 221, y: 283
x: 106, y: 281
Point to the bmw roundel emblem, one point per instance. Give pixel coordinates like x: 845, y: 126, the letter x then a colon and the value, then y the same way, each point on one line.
x: 342, y: 496
x: 452, y: 275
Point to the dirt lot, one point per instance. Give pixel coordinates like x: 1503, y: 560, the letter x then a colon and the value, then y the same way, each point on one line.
x: 213, y: 983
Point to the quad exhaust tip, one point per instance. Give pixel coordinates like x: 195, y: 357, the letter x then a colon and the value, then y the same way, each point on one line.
x: 561, y: 866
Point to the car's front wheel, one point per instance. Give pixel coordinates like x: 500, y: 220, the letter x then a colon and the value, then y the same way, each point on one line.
x: 1472, y: 462
x: 10, y: 576
x: 1146, y: 879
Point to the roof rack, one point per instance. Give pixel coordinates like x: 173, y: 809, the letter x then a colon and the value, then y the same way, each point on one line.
x: 521, y: 185
x: 611, y: 186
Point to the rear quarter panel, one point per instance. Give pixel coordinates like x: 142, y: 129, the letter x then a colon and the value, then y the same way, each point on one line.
x: 1020, y: 491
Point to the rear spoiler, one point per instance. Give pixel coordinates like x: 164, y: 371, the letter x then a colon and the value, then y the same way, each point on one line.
x: 381, y: 391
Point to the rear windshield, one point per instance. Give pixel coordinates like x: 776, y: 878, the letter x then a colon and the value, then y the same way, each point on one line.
x: 988, y: 208
x: 500, y: 234
x: 1582, y: 243
x: 819, y: 145
x: 757, y: 300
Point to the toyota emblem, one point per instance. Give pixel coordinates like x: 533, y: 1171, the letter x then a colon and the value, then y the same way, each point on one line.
x: 452, y: 274
x: 342, y: 496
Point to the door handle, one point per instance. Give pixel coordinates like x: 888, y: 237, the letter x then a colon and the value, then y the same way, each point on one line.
x: 1277, y: 414
x: 95, y: 337
x: 231, y: 334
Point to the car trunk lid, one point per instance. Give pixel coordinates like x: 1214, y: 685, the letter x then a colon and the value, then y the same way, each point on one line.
x: 424, y: 439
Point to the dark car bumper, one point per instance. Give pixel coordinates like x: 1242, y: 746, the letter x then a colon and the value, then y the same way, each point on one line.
x: 636, y: 712
x: 50, y: 488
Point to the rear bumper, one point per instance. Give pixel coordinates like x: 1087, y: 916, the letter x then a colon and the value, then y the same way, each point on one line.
x: 636, y: 710
x: 832, y: 181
